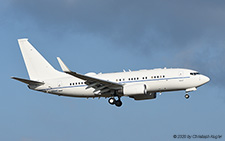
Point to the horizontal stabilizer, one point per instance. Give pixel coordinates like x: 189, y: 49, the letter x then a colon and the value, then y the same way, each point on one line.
x: 30, y: 82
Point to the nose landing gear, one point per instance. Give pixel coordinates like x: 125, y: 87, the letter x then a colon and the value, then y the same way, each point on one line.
x: 186, y: 96
x: 113, y: 101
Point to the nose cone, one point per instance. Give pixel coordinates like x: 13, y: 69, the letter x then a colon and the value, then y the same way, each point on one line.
x: 205, y: 79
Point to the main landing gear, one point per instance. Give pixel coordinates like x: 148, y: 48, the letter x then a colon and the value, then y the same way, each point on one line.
x: 113, y: 101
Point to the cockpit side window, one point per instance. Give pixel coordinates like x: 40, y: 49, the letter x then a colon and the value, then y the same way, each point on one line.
x: 194, y: 73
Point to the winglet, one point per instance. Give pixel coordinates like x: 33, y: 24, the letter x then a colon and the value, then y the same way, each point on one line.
x: 62, y: 65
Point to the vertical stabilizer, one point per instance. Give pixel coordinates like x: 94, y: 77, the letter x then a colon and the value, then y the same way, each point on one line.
x: 38, y: 68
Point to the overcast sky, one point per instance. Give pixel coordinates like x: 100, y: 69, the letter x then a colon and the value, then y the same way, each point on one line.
x: 109, y: 36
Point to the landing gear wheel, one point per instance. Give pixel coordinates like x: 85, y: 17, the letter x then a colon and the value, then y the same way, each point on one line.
x: 187, y: 96
x: 112, y: 101
x: 118, y: 103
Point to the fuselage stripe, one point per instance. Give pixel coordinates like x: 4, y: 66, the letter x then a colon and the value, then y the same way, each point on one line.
x: 124, y: 82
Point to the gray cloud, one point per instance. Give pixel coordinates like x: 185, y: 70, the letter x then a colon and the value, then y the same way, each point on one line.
x: 193, y: 32
x: 129, y: 21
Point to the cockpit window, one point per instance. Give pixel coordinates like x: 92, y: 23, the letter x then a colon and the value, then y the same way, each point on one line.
x: 194, y: 73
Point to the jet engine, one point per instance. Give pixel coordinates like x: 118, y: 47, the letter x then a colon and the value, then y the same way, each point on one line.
x: 144, y: 96
x: 134, y: 89
x: 138, y: 91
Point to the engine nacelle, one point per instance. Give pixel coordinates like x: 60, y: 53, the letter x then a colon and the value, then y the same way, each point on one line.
x: 144, y: 96
x: 134, y: 89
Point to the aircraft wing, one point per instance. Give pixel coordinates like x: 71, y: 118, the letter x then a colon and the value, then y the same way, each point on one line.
x: 101, y: 86
x: 92, y: 79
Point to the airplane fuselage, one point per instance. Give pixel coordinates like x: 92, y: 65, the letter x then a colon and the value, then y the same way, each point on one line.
x: 156, y: 80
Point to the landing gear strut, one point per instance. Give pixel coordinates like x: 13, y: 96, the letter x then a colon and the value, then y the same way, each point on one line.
x: 113, y: 101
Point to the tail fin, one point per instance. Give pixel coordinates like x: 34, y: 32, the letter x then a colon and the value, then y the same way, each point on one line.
x: 38, y: 68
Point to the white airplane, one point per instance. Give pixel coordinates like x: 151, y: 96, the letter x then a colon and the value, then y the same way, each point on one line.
x: 139, y: 85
